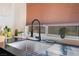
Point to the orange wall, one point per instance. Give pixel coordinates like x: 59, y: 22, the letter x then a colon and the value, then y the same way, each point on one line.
x: 53, y: 13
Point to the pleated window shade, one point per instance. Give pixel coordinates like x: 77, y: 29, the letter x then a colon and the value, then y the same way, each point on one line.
x: 53, y: 13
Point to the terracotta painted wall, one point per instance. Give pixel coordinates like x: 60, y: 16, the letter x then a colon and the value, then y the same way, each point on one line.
x: 53, y: 13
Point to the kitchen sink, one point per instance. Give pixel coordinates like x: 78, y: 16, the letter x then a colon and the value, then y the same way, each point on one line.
x: 21, y: 45
x: 31, y: 47
x: 36, y: 48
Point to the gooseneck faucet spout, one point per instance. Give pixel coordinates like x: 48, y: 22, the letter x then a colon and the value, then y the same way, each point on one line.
x: 39, y: 28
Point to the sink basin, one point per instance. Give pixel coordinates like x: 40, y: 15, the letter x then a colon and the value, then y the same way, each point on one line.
x: 21, y: 45
x: 31, y: 47
x: 37, y: 47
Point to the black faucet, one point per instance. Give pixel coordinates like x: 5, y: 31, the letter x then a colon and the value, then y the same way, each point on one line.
x: 39, y: 29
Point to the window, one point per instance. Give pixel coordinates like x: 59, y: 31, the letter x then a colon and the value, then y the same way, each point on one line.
x: 36, y: 29
x: 53, y: 29
x: 70, y: 30
x: 78, y: 30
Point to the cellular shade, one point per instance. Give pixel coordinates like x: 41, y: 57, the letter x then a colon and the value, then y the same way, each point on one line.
x: 53, y: 13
